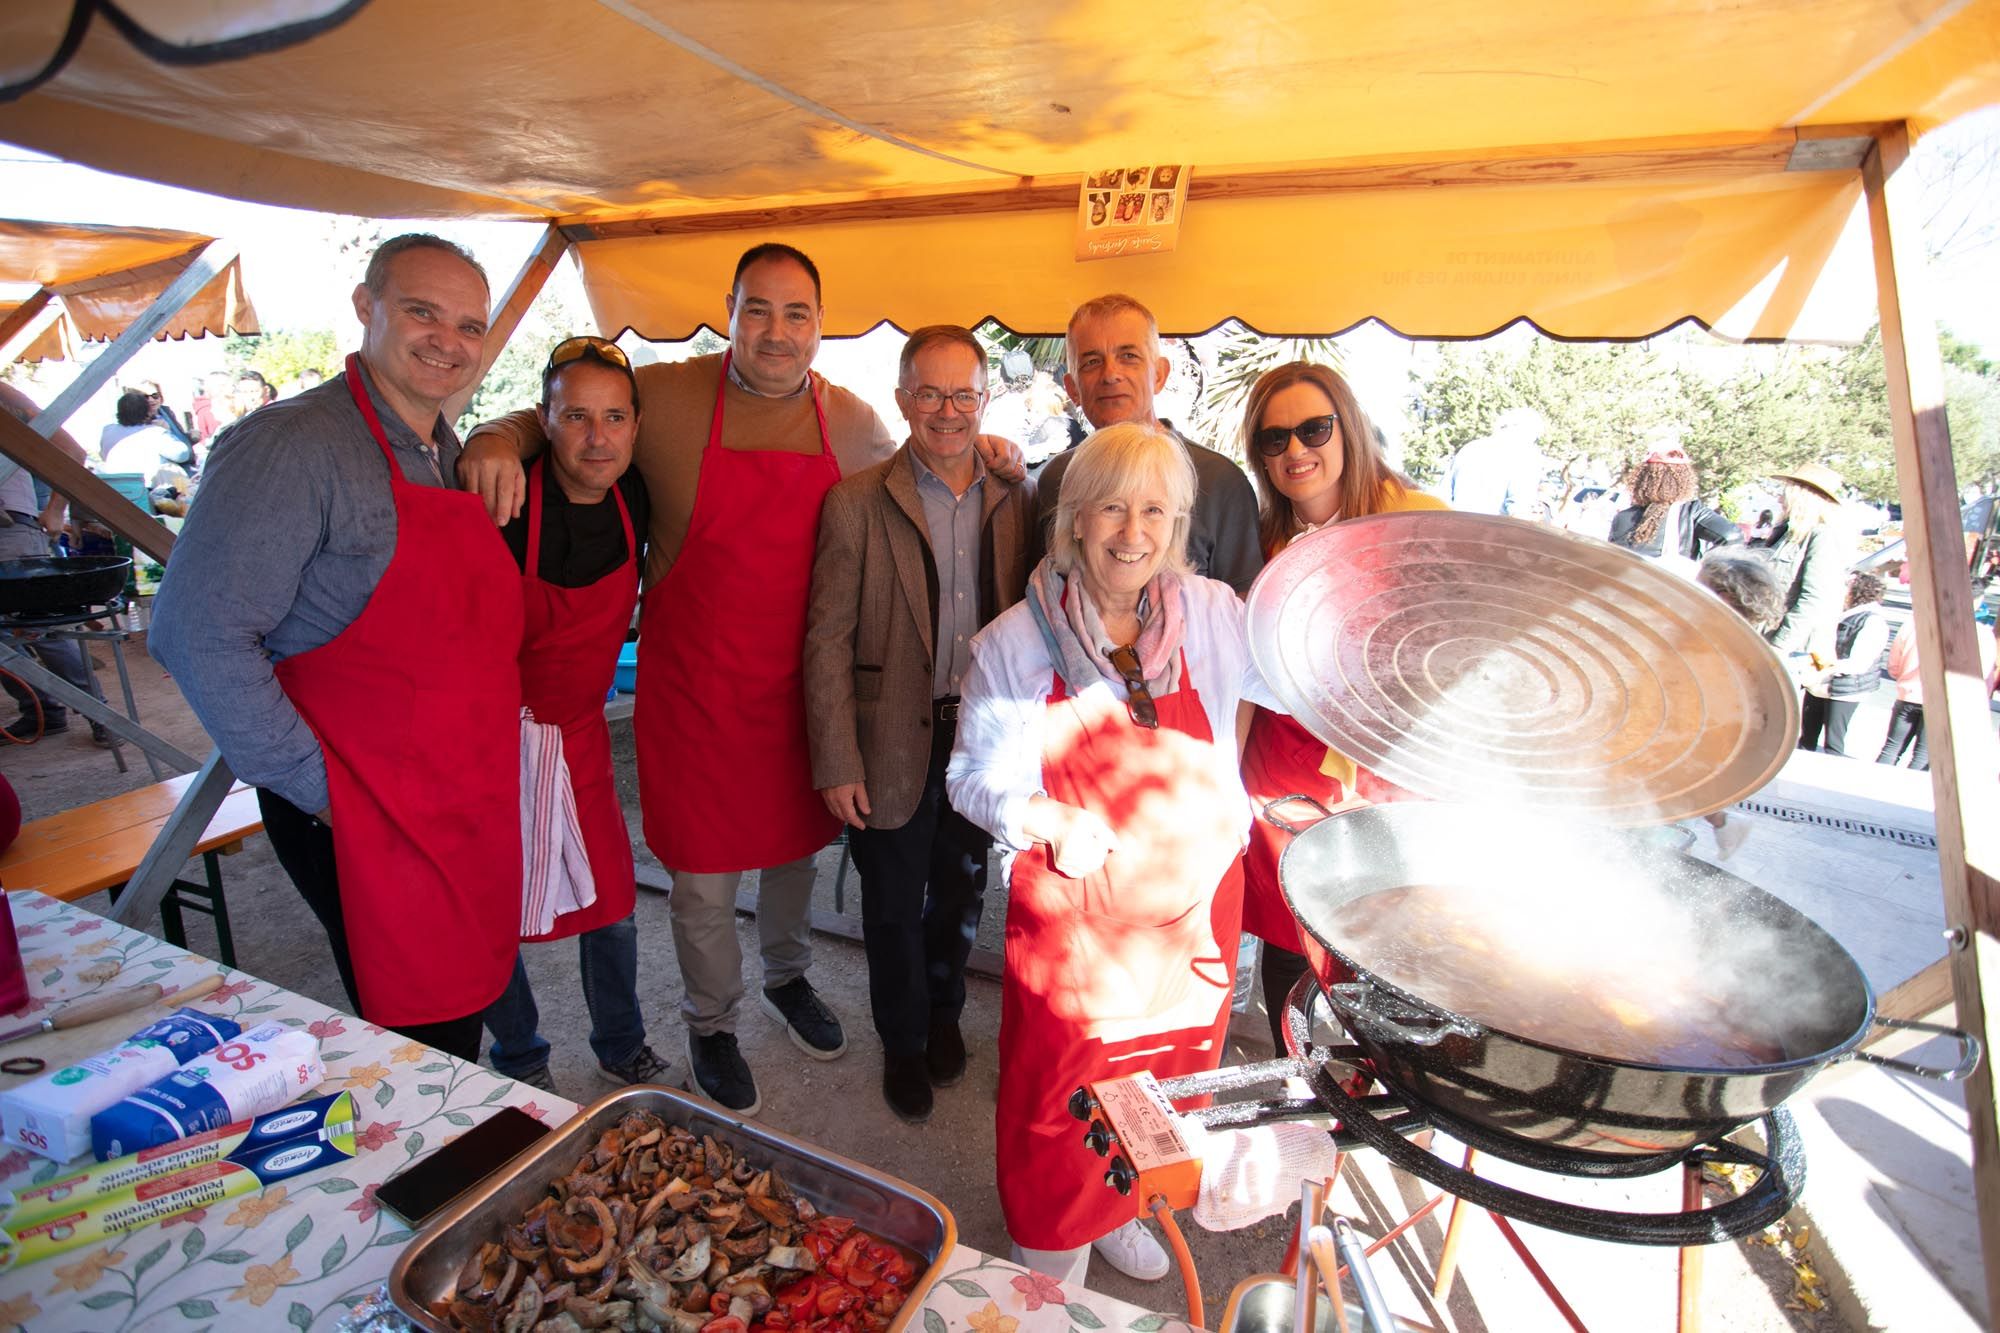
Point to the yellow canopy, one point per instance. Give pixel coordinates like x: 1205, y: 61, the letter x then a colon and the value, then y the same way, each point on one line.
x: 106, y: 277
x: 1445, y: 167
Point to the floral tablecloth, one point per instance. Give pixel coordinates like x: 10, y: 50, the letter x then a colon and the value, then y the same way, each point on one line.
x: 307, y: 1251
x: 303, y: 1251
x: 987, y: 1295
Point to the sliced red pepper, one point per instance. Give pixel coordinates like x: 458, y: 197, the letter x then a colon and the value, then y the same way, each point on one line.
x: 726, y: 1324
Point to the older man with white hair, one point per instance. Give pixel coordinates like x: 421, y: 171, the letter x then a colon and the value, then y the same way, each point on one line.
x: 1115, y: 368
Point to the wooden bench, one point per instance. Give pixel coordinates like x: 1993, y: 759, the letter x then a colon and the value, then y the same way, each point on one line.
x: 99, y: 846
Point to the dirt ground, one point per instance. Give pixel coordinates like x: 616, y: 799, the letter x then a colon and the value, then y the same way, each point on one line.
x: 838, y: 1104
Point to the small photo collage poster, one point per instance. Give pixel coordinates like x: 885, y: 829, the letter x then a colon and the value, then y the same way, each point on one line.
x: 1130, y: 210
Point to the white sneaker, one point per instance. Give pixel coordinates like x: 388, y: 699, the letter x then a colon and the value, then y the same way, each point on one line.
x: 1132, y: 1250
x: 1730, y: 837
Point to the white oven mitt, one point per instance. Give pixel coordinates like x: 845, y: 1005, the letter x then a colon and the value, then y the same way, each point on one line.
x: 1248, y: 1175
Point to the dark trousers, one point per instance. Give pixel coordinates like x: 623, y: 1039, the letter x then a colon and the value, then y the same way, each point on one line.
x: 923, y: 887
x: 608, y: 961
x: 1831, y: 716
x: 304, y: 847
x: 1281, y: 969
x: 1906, y: 731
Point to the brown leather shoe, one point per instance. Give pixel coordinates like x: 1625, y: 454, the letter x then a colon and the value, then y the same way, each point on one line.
x: 944, y: 1051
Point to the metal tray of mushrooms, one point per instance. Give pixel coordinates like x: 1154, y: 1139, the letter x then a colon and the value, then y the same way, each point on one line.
x: 447, y: 1253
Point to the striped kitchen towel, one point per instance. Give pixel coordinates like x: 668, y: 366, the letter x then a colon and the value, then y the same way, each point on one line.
x: 555, y: 870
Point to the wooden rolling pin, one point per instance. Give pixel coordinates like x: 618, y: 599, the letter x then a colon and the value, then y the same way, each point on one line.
x: 110, y: 1004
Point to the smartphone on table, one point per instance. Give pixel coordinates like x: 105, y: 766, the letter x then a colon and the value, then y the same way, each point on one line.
x: 419, y: 1191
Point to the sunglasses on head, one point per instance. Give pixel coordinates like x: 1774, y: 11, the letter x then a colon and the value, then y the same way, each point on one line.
x: 1125, y: 661
x: 1312, y: 432
x: 575, y: 349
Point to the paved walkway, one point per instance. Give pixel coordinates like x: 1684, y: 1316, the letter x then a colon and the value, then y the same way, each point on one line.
x: 1889, y: 1179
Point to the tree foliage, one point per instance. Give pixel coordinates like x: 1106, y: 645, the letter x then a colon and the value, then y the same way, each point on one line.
x: 281, y: 354
x: 1741, y: 413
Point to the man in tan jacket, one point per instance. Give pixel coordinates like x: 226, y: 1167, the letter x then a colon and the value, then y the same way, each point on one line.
x: 914, y: 555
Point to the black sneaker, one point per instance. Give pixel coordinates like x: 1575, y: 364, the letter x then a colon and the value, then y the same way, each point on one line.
x: 906, y: 1086
x: 716, y: 1070
x: 538, y: 1077
x: 100, y: 735
x: 944, y: 1051
x: 22, y: 728
x: 643, y: 1067
x: 813, y: 1027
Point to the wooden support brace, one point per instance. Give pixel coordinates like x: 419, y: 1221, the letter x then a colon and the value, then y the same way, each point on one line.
x: 26, y: 324
x: 98, y: 711
x: 83, y: 488
x: 201, y: 270
x: 1956, y: 721
x: 509, y: 310
x: 176, y: 843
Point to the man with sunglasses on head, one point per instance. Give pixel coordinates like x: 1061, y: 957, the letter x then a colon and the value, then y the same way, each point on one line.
x: 738, y: 451
x: 915, y: 555
x: 345, y: 624
x: 1115, y: 368
x: 578, y: 542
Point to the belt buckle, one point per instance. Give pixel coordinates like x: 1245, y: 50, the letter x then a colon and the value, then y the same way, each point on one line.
x: 947, y: 710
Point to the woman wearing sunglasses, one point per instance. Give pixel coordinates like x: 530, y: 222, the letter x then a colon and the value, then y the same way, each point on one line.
x: 1314, y: 461
x: 1097, y: 743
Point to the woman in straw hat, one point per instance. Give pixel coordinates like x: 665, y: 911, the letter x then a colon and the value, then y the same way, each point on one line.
x: 1809, y: 552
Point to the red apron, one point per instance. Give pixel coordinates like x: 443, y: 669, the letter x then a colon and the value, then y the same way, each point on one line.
x: 417, y: 705
x: 1126, y: 969
x: 725, y: 779
x: 1281, y: 758
x: 569, y: 654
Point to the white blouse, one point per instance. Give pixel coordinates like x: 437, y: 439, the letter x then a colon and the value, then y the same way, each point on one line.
x: 996, y: 765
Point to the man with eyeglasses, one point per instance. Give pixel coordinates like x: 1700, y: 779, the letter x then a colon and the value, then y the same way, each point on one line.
x: 578, y: 542
x: 738, y: 451
x: 1115, y: 368
x: 345, y: 624
x: 915, y: 555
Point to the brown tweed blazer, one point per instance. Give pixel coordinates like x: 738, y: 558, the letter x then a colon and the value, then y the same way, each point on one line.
x: 872, y: 625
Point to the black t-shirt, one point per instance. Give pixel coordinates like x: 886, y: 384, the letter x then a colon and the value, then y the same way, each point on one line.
x: 580, y: 544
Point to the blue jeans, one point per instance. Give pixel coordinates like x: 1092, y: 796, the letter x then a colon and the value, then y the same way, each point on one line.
x: 609, y: 958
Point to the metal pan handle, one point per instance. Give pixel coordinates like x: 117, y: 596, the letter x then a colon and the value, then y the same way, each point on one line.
x: 1970, y: 1050
x: 1271, y: 817
x: 1417, y: 1024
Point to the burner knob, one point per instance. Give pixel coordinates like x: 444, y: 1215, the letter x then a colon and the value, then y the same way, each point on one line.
x: 1121, y: 1176
x: 1098, y: 1138
x: 1080, y: 1104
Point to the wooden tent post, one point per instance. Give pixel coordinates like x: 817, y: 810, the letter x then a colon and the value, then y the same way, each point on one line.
x: 509, y: 309
x: 1955, y: 708
x: 26, y: 323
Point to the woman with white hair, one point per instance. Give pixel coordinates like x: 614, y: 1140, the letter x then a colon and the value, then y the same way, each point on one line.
x: 1097, y: 742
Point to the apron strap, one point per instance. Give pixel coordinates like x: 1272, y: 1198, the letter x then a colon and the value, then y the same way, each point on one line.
x: 357, y: 391
x: 722, y: 388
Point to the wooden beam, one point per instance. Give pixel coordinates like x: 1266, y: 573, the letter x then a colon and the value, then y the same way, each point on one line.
x: 97, y: 710
x: 1680, y: 159
x: 1918, y: 998
x: 175, y: 844
x: 201, y: 270
x: 509, y: 310
x: 22, y: 447
x: 16, y: 344
x: 24, y: 315
x: 1956, y: 719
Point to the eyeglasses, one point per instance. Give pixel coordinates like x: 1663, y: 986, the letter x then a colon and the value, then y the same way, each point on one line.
x: 1312, y: 432
x: 928, y: 399
x: 575, y: 349
x: 1139, y: 699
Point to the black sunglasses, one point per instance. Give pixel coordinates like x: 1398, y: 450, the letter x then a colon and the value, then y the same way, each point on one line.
x: 1312, y: 432
x: 1138, y: 698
